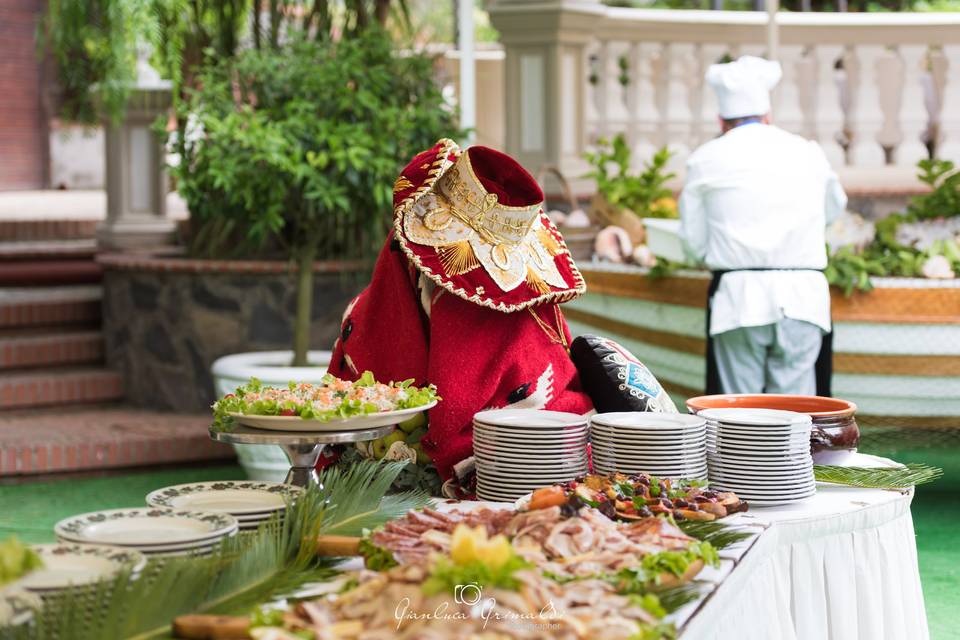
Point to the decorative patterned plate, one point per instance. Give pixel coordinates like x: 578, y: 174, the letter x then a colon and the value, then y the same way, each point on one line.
x: 17, y: 606
x: 69, y: 564
x: 145, y: 527
x: 356, y: 423
x: 233, y: 497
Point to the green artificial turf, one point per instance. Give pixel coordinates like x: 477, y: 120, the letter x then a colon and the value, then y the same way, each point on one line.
x: 936, y: 521
x: 30, y: 510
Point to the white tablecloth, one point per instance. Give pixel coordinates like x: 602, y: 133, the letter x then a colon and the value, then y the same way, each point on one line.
x: 842, y: 566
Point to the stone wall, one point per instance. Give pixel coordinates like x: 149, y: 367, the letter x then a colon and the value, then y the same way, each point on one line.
x: 166, y: 320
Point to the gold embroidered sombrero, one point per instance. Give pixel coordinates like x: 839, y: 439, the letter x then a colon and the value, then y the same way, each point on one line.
x: 472, y: 221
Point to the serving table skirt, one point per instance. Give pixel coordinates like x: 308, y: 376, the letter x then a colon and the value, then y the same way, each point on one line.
x: 841, y: 566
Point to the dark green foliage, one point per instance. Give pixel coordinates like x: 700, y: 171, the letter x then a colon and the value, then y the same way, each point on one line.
x: 298, y: 149
x: 645, y: 193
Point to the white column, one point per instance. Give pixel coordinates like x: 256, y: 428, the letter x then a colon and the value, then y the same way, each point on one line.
x: 468, y: 69
x: 948, y: 145
x: 679, y: 85
x: 890, y: 83
x: 135, y: 168
x: 590, y: 93
x: 807, y: 87
x: 914, y: 119
x: 603, y: 87
x: 644, y: 113
x: 786, y: 96
x: 866, y: 115
x: 828, y: 105
x: 546, y: 79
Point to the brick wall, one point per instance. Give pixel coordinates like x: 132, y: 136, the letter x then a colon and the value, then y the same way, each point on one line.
x: 23, y: 136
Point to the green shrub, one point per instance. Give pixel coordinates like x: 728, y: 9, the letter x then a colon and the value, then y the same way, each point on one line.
x: 294, y: 151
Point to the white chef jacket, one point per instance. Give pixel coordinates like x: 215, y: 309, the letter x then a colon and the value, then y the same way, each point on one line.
x: 760, y: 197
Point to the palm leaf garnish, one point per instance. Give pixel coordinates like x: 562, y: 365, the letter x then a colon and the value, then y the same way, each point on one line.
x: 903, y: 477
x: 675, y: 597
x: 719, y: 534
x: 249, y: 569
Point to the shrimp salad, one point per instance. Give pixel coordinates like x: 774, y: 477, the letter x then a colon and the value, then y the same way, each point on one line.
x: 332, y: 399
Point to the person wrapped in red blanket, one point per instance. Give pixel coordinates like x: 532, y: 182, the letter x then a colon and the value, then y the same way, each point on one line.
x: 465, y: 295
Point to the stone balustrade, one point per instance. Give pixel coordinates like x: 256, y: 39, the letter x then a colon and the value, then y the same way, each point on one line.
x: 879, y: 91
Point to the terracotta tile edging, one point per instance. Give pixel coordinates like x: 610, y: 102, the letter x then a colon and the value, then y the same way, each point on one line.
x: 177, y: 264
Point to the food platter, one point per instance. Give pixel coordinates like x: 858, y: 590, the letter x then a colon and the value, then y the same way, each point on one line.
x: 354, y: 423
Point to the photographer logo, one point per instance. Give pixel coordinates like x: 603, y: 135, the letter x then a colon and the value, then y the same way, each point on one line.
x: 469, y: 594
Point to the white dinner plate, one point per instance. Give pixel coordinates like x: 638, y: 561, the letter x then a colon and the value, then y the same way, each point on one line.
x: 781, y: 464
x: 651, y: 458
x: 355, y: 423
x: 760, y: 441
x: 543, y: 467
x: 522, y: 440
x: 597, y: 435
x: 492, y: 477
x: 571, y: 452
x: 637, y: 437
x: 754, y: 417
x: 647, y: 420
x: 747, y: 452
x: 650, y: 452
x: 752, y: 473
x: 624, y: 467
x: 233, y: 497
x: 529, y: 484
x: 145, y: 527
x: 767, y: 492
x: 534, y: 432
x: 520, y: 458
x: 757, y: 432
x: 529, y: 418
x: 786, y: 481
x: 665, y: 474
x: 71, y: 565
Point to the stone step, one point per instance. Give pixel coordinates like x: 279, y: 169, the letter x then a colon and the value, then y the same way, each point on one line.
x: 50, y: 349
x: 48, y: 387
x: 47, y: 249
x: 49, y: 306
x: 49, y: 272
x: 48, y: 229
x: 71, y: 439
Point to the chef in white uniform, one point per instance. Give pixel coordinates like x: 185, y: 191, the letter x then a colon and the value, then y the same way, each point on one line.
x: 754, y: 209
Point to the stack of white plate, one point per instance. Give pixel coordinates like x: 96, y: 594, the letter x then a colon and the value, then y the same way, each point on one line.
x: 152, y: 531
x: 670, y: 445
x: 251, y: 503
x: 763, y: 455
x: 68, y: 565
x: 519, y: 450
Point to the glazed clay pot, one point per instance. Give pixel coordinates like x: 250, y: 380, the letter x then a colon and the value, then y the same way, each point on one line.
x: 835, y: 429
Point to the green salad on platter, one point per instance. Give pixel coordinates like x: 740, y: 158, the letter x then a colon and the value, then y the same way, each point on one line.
x: 332, y: 399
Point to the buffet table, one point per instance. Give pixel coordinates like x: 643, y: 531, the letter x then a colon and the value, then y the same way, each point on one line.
x: 843, y: 565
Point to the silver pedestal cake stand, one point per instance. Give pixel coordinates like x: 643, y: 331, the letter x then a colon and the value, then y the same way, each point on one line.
x: 303, y: 448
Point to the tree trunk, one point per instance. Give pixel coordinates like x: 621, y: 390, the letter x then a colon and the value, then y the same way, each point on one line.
x: 301, y: 325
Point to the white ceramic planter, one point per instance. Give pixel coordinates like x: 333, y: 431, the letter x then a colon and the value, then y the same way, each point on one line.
x: 265, y: 463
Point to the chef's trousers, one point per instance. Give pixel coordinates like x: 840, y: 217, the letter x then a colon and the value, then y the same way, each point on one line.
x: 771, y: 358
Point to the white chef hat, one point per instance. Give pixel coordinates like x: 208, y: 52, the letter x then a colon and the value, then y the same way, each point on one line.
x: 743, y: 86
